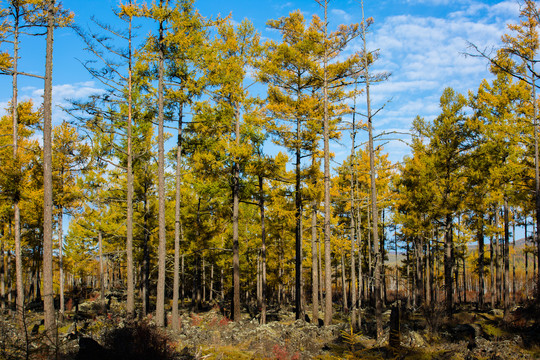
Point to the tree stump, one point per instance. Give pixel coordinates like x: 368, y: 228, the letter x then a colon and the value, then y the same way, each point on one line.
x: 395, y: 334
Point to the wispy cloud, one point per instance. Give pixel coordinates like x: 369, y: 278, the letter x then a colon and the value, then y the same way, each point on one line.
x: 61, y: 96
x: 341, y: 14
x: 425, y: 54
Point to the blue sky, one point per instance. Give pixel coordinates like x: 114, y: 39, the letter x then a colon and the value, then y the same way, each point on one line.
x: 421, y: 44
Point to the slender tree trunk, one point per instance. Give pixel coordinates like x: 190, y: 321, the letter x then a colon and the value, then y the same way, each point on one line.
x: 464, y: 280
x: 352, y: 224
x: 16, y: 209
x: 448, y: 263
x: 480, y: 239
x: 130, y: 301
x: 263, y: 251
x: 429, y: 273
x: 236, y: 252
x: 321, y: 274
x: 419, y: 273
x: 374, y: 209
x: 146, y: 257
x: 61, y: 261
x: 48, y: 296
x: 514, y: 297
x: 493, y: 287
x: 183, y: 277
x: 314, y: 262
x: 298, y: 226
x: 506, y: 258
x: 327, y: 204
x: 177, y: 224
x: 203, y: 280
x: 344, y: 284
x: 536, y: 166
x: 3, y: 273
x: 101, y: 268
x: 160, y: 297
x: 360, y: 273
x: 211, y: 290
x: 498, y: 270
x: 408, y: 293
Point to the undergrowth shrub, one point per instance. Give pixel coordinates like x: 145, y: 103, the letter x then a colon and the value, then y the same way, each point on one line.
x: 434, y: 315
x: 138, y: 341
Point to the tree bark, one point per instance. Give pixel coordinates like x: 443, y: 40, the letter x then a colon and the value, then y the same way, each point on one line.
x: 352, y: 225
x: 16, y: 209
x: 236, y: 252
x: 536, y: 166
x: 327, y: 204
x: 130, y: 300
x: 61, y: 261
x: 314, y: 263
x: 263, y: 251
x: 506, y: 259
x: 160, y: 297
x: 480, y: 239
x: 48, y: 291
x: 298, y: 226
x: 177, y: 224
x: 448, y: 263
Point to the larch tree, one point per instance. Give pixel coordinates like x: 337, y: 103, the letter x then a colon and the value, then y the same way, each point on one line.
x: 117, y: 74
x: 521, y: 45
x: 54, y: 16
x: 185, y: 45
x: 449, y: 142
x: 20, y: 16
x: 288, y: 68
x: 235, y: 49
x: 70, y: 156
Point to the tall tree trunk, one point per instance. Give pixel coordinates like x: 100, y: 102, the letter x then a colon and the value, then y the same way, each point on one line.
x: 419, y: 273
x: 61, y: 261
x: 101, y: 269
x: 130, y: 300
x: 327, y: 204
x: 235, y: 195
x: 374, y: 209
x: 352, y: 224
x: 514, y: 259
x: 48, y: 291
x: 184, y: 275
x: 506, y: 258
x: 162, y: 252
x: 177, y: 224
x: 344, y: 284
x: 146, y: 257
x: 448, y: 263
x: 263, y: 251
x: 298, y: 226
x: 491, y: 260
x: 429, y: 273
x: 536, y: 166
x: 3, y: 274
x: 16, y: 209
x: 322, y: 279
x: 314, y: 263
x: 480, y: 239
x: 360, y: 273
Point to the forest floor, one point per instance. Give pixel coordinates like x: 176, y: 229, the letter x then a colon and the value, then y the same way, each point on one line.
x: 91, y: 333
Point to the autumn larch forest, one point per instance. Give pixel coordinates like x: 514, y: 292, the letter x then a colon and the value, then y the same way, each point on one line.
x: 195, y: 207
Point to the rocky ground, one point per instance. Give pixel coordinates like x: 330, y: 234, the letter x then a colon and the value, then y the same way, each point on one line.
x: 91, y: 333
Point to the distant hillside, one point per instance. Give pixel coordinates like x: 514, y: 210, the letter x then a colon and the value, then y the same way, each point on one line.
x: 519, y: 258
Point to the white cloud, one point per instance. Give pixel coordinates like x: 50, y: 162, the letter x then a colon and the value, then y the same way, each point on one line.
x: 427, y: 54
x: 61, y: 96
x: 341, y: 14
